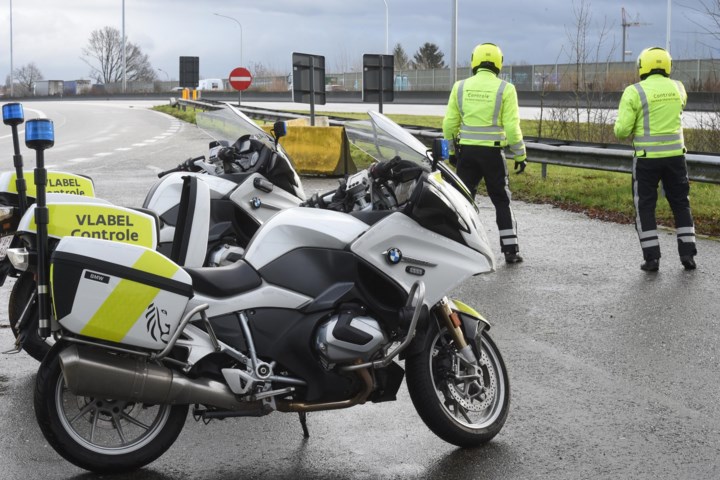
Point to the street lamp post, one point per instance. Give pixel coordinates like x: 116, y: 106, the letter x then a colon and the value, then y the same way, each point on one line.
x: 667, y: 33
x: 241, y: 48
x: 387, y: 23
x: 453, y: 47
x: 124, y: 60
x: 166, y: 76
x: 12, y: 71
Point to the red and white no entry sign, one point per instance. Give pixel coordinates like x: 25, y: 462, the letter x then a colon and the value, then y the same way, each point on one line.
x: 240, y: 78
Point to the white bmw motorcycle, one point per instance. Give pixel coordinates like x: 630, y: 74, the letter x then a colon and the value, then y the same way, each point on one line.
x: 244, y: 184
x: 312, y: 318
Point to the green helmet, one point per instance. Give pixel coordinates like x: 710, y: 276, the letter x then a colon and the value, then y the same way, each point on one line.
x: 654, y: 60
x: 487, y: 55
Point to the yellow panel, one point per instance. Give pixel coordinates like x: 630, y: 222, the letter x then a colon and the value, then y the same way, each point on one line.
x: 58, y: 182
x: 127, y: 302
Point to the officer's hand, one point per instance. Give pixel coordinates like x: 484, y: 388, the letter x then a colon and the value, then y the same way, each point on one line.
x: 520, y: 166
x: 453, y: 160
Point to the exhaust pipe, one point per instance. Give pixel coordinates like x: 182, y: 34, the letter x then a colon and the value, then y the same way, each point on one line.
x: 90, y: 372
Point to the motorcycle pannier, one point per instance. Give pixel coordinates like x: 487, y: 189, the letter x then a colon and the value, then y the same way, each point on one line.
x: 117, y: 292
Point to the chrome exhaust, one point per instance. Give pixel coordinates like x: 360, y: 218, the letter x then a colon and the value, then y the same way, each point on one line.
x: 90, y: 372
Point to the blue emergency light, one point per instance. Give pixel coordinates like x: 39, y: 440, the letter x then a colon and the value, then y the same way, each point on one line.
x: 13, y: 114
x: 440, y: 149
x: 39, y: 134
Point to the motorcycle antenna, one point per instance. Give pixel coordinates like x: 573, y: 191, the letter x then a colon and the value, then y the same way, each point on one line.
x: 13, y: 115
x: 39, y: 136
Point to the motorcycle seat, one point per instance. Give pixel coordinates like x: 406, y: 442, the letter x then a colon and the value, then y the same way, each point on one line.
x: 224, y: 281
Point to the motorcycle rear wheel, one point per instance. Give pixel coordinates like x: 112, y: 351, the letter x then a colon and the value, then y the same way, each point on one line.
x: 99, y: 434
x: 462, y: 404
x: 21, y: 293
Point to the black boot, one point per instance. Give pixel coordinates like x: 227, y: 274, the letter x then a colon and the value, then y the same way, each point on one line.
x: 688, y: 262
x: 513, y: 257
x: 650, y: 265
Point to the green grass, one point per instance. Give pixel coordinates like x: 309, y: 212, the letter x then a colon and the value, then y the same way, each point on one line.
x: 608, y: 195
x: 602, y: 195
x: 187, y: 115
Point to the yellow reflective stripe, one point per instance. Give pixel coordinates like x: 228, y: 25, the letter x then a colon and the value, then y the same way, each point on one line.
x: 128, y: 300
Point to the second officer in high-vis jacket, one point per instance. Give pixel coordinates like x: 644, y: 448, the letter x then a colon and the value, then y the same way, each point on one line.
x: 650, y: 111
x: 482, y: 117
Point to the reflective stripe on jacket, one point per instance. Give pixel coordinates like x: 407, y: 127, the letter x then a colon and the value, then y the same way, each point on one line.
x: 651, y: 112
x: 483, y: 110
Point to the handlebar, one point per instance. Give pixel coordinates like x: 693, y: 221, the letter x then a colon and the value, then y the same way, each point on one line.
x: 186, y: 166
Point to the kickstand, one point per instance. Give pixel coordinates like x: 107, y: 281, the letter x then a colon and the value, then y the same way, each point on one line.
x: 303, y: 424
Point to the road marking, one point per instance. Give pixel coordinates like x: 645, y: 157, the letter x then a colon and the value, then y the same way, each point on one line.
x: 139, y: 144
x: 123, y: 149
x: 102, y: 154
x: 79, y: 160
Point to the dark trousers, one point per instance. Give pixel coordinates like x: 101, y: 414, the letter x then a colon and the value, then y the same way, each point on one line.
x: 672, y: 171
x: 476, y: 163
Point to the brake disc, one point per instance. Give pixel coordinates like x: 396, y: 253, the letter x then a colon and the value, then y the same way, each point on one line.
x: 474, y: 392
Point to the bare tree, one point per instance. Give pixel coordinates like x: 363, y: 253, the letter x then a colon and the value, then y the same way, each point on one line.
x: 587, y: 43
x: 26, y: 76
x: 711, y: 10
x: 104, y: 56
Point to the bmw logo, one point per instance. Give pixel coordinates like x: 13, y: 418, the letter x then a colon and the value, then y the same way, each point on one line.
x: 255, y: 202
x: 393, y: 256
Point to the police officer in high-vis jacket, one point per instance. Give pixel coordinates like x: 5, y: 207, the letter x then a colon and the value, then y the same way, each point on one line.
x: 650, y: 112
x: 482, y: 119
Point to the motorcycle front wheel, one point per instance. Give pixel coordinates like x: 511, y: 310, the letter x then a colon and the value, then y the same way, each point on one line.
x: 464, y: 404
x: 21, y: 294
x: 102, y: 435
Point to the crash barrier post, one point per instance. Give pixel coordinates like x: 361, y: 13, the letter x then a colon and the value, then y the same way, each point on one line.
x: 318, y: 150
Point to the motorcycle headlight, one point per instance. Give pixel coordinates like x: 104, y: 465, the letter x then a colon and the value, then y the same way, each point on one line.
x: 19, y: 257
x: 6, y: 212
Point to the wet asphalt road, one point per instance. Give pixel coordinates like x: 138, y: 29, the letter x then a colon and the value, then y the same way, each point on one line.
x: 615, y: 373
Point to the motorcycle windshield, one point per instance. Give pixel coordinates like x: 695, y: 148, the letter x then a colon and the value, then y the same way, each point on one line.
x: 382, y: 139
x: 228, y: 124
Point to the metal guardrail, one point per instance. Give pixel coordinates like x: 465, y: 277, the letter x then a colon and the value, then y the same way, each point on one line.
x: 610, y: 158
x: 210, y: 105
x: 701, y: 168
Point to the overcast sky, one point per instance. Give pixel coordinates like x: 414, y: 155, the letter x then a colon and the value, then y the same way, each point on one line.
x: 52, y: 33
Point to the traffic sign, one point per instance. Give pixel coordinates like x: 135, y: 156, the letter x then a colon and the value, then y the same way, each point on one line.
x: 240, y: 78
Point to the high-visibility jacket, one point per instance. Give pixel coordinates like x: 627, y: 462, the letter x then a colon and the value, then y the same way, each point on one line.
x: 483, y: 110
x: 651, y: 111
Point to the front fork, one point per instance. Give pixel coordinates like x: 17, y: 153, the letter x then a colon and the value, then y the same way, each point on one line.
x: 453, y: 324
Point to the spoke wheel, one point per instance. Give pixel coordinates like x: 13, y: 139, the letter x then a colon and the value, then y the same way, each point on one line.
x: 101, y: 434
x: 464, y: 403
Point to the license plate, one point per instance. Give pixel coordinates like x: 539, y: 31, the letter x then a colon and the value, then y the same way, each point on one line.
x: 4, y: 244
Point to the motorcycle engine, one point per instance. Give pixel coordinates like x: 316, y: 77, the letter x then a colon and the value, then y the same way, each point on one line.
x: 349, y: 336
x: 225, y: 255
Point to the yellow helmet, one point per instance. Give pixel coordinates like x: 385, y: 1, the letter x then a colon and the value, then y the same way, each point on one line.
x: 654, y: 60
x: 487, y: 55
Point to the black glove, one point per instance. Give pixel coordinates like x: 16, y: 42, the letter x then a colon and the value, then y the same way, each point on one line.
x: 520, y: 166
x: 453, y: 160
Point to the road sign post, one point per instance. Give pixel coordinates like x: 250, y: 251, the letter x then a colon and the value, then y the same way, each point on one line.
x: 378, y: 76
x: 240, y: 79
x: 309, y: 80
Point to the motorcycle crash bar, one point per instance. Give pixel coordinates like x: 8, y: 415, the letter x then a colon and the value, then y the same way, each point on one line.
x: 417, y: 289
